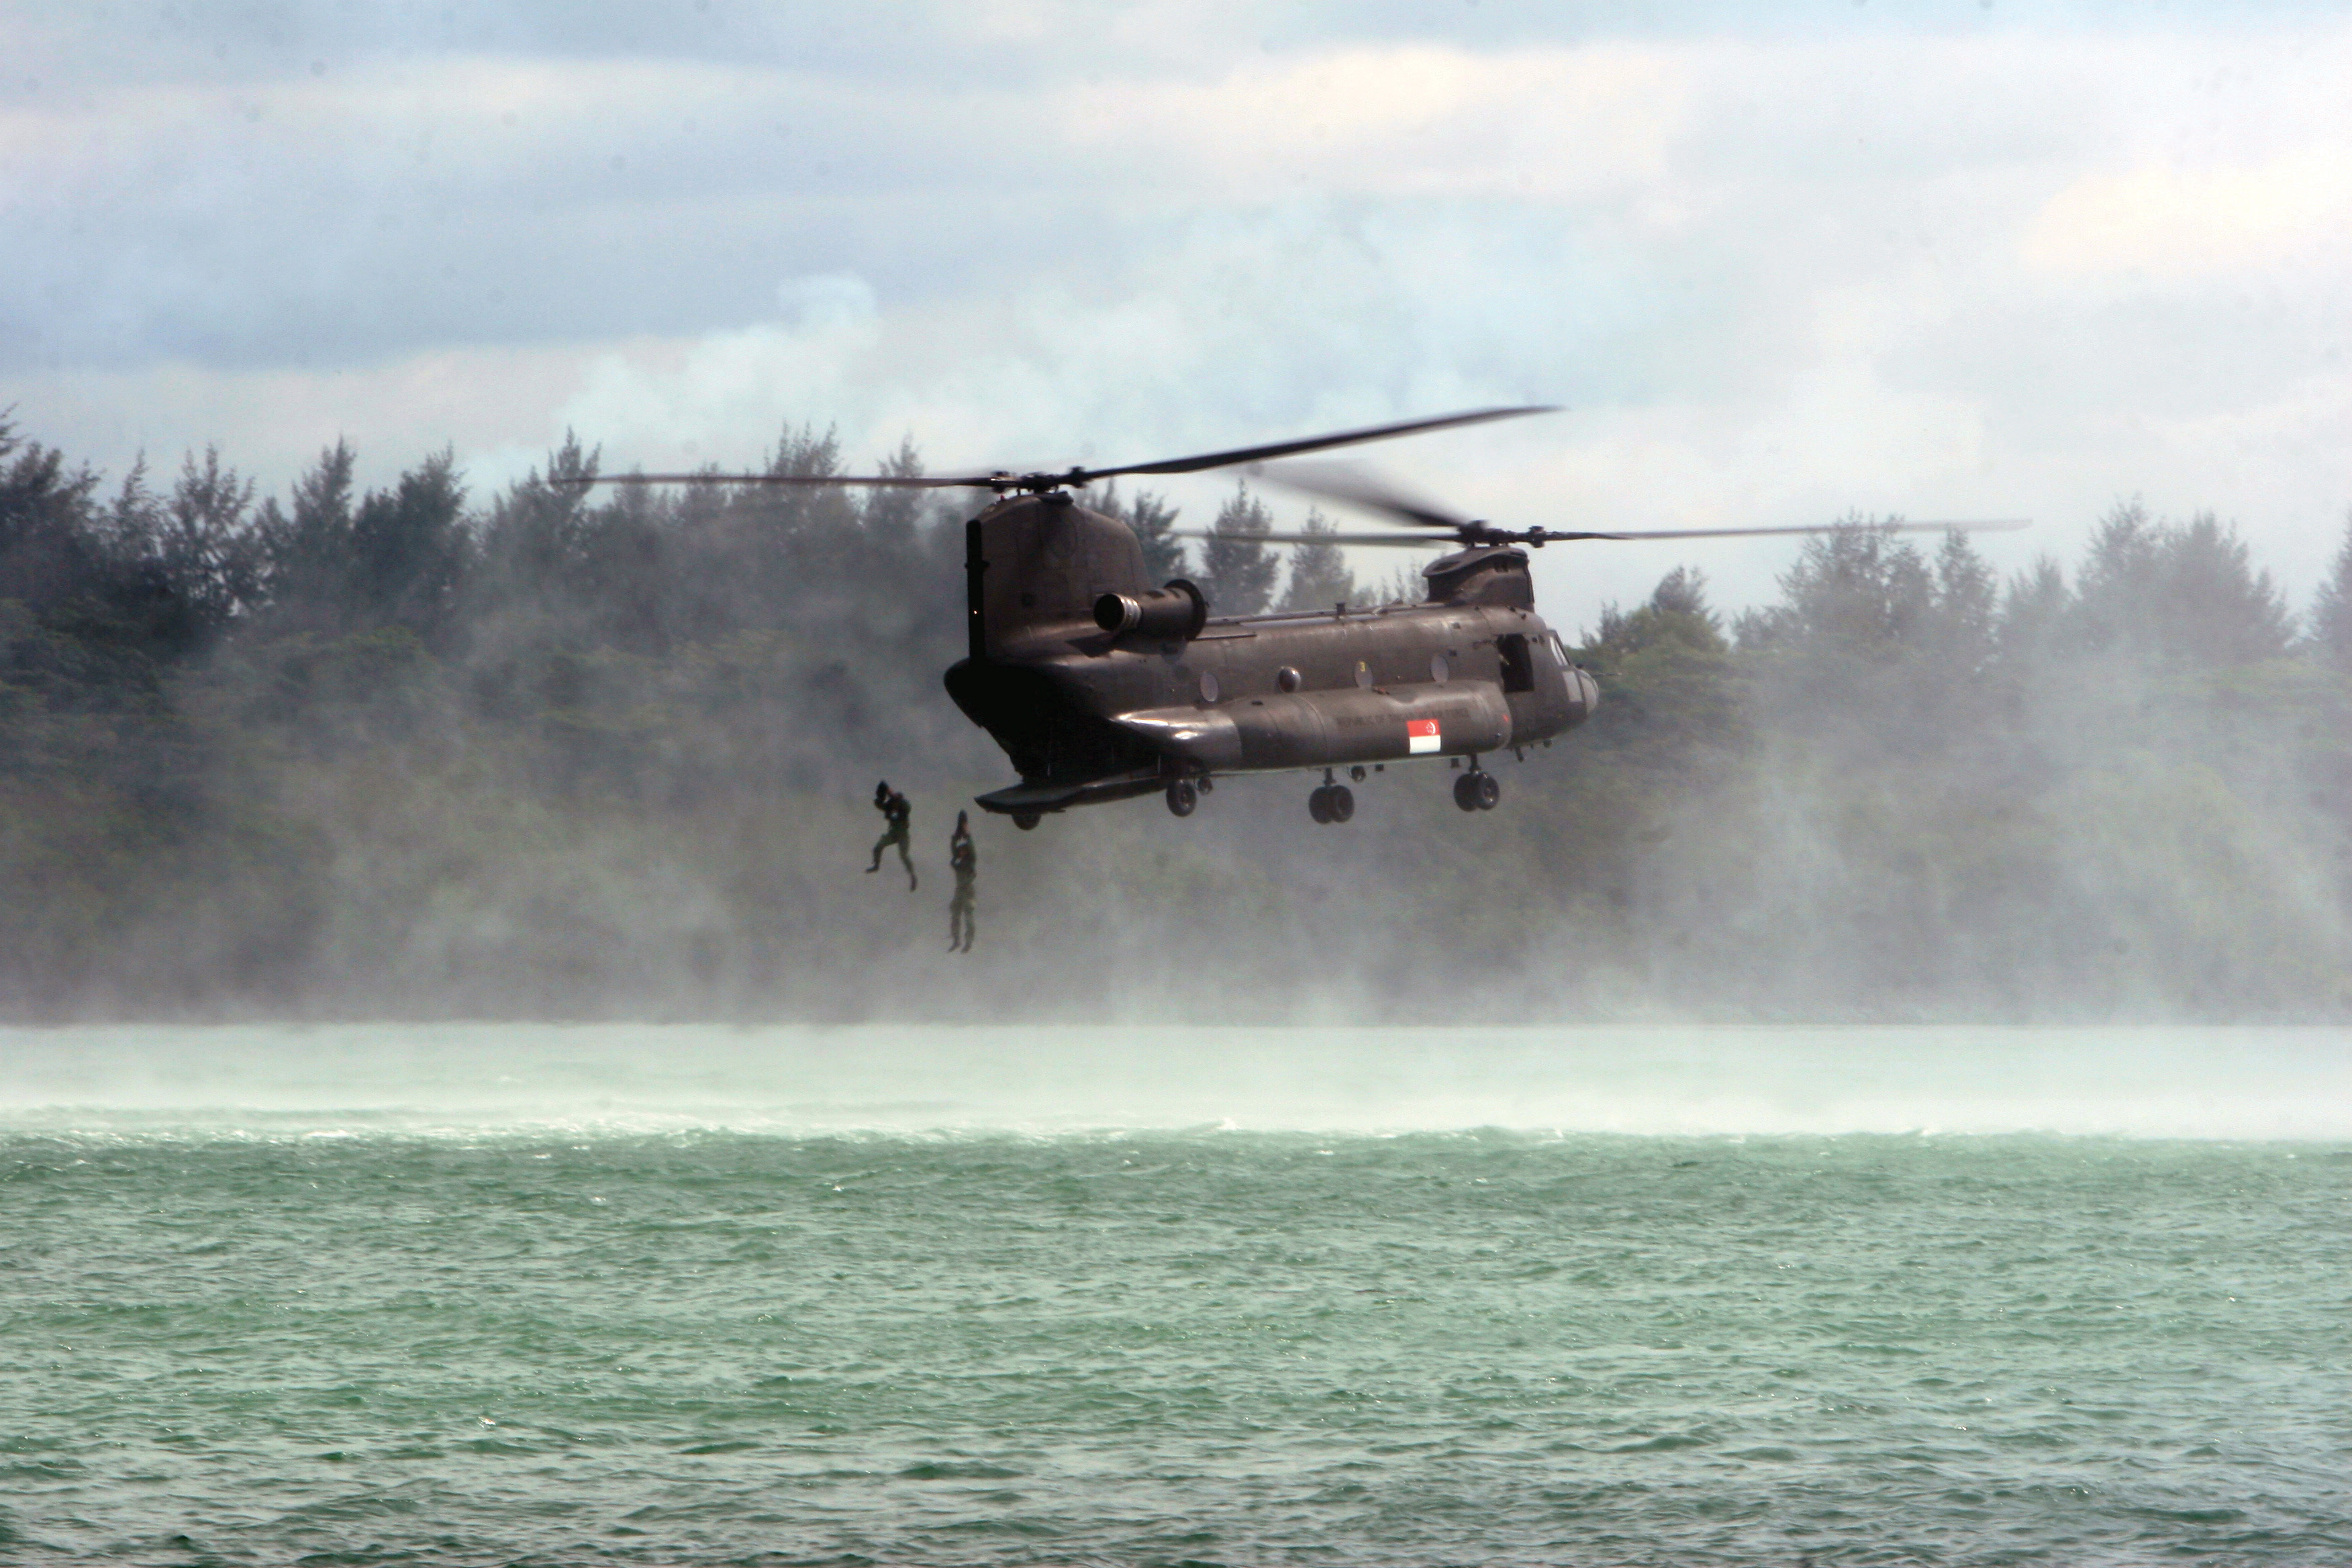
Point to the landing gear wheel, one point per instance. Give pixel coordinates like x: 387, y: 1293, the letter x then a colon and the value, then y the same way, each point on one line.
x: 1489, y: 790
x: 1026, y: 820
x: 1331, y: 803
x: 1182, y: 797
x: 1466, y: 791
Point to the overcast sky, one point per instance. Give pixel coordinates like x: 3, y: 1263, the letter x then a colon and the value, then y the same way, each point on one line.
x: 1782, y: 261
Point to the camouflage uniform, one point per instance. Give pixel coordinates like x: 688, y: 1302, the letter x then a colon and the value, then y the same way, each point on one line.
x: 963, y: 926
x: 895, y: 810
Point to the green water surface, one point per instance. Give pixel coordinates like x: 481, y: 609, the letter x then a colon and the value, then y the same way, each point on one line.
x: 1170, y: 1347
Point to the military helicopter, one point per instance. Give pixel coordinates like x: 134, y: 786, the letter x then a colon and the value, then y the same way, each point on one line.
x: 1101, y: 686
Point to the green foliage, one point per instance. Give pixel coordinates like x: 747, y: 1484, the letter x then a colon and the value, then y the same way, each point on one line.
x: 1238, y: 574
x: 1403, y: 585
x: 409, y: 549
x: 1666, y: 678
x: 1860, y: 593
x: 2331, y: 610
x: 1677, y: 615
x: 1320, y: 577
x: 2178, y: 591
x: 1153, y: 522
x: 305, y: 557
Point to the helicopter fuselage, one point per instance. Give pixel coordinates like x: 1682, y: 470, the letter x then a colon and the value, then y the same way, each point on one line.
x: 1093, y: 704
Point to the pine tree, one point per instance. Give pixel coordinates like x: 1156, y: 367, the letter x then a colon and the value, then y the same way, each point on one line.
x: 2331, y: 609
x: 2035, y: 612
x: 1319, y: 578
x: 532, y: 539
x: 1967, y: 601
x: 409, y: 548
x: 1402, y: 586
x: 795, y: 532
x: 2181, y: 592
x: 2216, y: 605
x: 134, y: 521
x: 208, y: 555
x: 890, y: 515
x: 2115, y: 592
x: 1153, y: 522
x: 305, y: 557
x: 1859, y: 590
x: 48, y: 552
x: 1677, y: 613
x: 1239, y: 573
x: 1666, y: 669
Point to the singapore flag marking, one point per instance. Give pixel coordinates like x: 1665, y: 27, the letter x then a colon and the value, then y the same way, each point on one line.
x: 1420, y: 735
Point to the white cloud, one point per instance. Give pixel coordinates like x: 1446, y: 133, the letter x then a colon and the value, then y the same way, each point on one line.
x: 2009, y: 271
x: 1410, y: 121
x: 2185, y: 225
x: 827, y: 301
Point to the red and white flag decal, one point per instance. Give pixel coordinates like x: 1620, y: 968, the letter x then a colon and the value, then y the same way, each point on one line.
x: 1420, y: 735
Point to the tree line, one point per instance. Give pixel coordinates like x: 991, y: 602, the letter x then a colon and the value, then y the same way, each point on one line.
x: 570, y: 752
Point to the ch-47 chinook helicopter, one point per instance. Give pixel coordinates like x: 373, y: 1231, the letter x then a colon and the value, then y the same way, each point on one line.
x: 1101, y: 686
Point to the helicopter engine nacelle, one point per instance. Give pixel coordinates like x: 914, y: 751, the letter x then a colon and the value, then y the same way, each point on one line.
x: 1179, y: 611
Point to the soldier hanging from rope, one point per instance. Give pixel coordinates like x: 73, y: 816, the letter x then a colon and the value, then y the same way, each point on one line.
x: 896, y: 811
x: 962, y: 924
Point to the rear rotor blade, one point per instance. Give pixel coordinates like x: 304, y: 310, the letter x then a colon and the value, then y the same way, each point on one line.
x: 893, y: 481
x: 1405, y: 541
x: 1315, y: 443
x: 1077, y: 476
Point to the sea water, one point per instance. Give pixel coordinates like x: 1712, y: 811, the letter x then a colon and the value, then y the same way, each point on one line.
x: 682, y: 1295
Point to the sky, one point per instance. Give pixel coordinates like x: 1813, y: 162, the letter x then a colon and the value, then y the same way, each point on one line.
x: 1780, y: 263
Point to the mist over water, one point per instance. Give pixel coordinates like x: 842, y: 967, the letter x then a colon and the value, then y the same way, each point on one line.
x: 493, y: 1079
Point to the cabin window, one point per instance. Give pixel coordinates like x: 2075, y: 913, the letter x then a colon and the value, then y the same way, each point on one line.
x: 1439, y: 671
x: 1208, y: 686
x: 1518, y: 662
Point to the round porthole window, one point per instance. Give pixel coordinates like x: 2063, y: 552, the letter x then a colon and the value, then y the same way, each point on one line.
x: 1363, y: 673
x: 1208, y: 686
x: 1439, y: 671
x: 1287, y: 678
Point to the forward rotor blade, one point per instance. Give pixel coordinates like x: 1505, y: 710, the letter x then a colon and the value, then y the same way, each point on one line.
x: 1317, y: 443
x: 1405, y: 541
x: 1354, y: 487
x: 1999, y: 526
